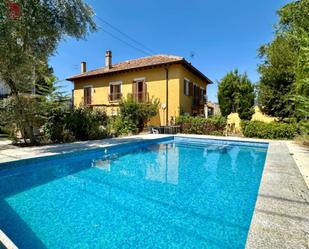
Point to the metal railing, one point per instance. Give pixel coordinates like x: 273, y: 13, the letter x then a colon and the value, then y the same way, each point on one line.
x: 114, y: 96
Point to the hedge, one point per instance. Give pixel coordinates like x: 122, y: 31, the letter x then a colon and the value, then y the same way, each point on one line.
x: 199, y: 125
x: 274, y: 130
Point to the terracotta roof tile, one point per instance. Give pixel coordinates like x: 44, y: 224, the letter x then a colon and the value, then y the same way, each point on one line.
x: 137, y: 63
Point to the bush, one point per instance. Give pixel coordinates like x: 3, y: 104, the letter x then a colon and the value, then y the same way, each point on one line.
x: 133, y: 115
x: 55, y: 129
x: 87, y: 124
x: 275, y: 130
x: 199, y: 125
x: 78, y: 124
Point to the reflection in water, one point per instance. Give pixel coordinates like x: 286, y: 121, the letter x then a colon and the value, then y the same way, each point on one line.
x: 168, y: 195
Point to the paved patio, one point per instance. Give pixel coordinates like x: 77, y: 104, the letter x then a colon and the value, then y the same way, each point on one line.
x: 280, y: 219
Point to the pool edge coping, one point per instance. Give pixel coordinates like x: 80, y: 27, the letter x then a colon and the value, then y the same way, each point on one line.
x: 6, y: 241
x: 259, y: 235
x: 279, y: 218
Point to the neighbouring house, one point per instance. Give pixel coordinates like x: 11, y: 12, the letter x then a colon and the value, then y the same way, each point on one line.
x: 213, y: 109
x: 4, y: 90
x: 180, y: 87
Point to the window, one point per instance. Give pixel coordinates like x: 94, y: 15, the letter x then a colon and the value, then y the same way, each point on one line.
x: 87, y: 95
x: 186, y: 87
x: 139, y: 90
x: 115, y: 91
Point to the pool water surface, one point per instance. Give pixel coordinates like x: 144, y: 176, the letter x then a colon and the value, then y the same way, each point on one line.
x: 171, y: 193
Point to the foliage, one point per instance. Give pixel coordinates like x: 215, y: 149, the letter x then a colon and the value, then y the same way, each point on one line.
x: 294, y: 17
x: 27, y: 41
x: 122, y: 126
x: 82, y: 123
x: 283, y: 71
x: 277, y: 74
x: 134, y: 115
x: 274, y: 130
x: 86, y: 124
x: 301, y: 86
x: 199, y: 125
x: 33, y: 108
x: 236, y: 94
x: 55, y: 129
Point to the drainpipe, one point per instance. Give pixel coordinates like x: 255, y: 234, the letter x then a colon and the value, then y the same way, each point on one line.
x: 166, y: 88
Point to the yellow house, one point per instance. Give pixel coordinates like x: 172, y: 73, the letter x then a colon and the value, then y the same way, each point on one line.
x: 179, y: 86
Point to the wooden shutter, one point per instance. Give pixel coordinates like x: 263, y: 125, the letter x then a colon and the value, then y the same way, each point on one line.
x: 87, y: 95
x: 190, y: 88
x: 134, y: 85
x: 198, y: 92
x: 184, y: 87
x: 145, y: 91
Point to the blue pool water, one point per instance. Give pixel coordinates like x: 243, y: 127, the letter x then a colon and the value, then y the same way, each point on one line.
x: 172, y: 193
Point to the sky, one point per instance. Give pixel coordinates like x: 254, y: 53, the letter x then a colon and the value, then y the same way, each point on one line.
x: 215, y: 36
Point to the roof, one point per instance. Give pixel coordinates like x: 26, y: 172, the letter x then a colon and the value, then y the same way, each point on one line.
x: 150, y: 61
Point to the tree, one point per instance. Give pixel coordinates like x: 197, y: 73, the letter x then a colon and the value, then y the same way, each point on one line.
x: 301, y: 86
x: 277, y: 75
x: 236, y: 94
x: 28, y: 39
x: 283, y: 69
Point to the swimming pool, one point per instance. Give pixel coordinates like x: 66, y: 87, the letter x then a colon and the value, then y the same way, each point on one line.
x: 173, y: 192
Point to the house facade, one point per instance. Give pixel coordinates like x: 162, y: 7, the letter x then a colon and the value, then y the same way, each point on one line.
x: 180, y: 87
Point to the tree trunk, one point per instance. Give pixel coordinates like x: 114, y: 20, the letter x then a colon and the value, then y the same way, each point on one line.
x: 26, y: 123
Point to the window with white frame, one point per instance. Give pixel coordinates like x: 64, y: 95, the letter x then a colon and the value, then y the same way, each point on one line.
x: 115, y: 91
x: 186, y: 87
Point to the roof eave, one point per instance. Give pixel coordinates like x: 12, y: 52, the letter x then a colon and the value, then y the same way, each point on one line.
x: 183, y: 61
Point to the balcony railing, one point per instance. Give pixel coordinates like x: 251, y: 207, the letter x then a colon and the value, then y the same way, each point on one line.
x: 114, y: 96
x: 141, y: 97
x: 197, y: 100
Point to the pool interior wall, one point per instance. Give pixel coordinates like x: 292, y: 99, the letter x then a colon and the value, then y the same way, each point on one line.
x: 171, y: 192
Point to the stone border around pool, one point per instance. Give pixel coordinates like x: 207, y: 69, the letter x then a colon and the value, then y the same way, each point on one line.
x: 280, y: 219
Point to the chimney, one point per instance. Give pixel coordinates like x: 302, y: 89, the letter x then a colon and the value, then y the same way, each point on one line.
x: 108, y: 59
x: 83, y: 67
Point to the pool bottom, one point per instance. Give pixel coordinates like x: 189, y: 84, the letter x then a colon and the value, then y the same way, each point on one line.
x: 163, y: 196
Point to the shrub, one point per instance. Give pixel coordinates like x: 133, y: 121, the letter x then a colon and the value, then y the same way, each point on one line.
x: 199, y: 125
x: 122, y: 126
x: 86, y: 123
x: 275, y: 130
x: 78, y: 124
x: 134, y: 115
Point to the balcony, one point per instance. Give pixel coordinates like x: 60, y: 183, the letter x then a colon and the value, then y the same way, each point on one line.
x: 113, y: 97
x: 141, y: 97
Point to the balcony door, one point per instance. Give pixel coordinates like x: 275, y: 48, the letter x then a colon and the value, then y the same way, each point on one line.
x: 139, y: 90
x: 87, y: 95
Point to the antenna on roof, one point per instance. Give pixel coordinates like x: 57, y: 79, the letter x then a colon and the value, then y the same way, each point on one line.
x: 192, y: 54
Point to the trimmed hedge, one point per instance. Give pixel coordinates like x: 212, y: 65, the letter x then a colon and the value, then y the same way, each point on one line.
x: 199, y: 125
x: 274, y: 130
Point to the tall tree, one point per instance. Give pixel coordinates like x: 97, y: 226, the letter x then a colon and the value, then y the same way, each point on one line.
x: 29, y: 36
x: 301, y: 86
x: 283, y: 69
x: 236, y: 94
x: 277, y: 75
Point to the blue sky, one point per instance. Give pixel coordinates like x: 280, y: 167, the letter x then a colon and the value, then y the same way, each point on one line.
x: 223, y: 35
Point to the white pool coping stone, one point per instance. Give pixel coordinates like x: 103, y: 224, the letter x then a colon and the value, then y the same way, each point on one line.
x: 281, y: 215
x: 6, y: 242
